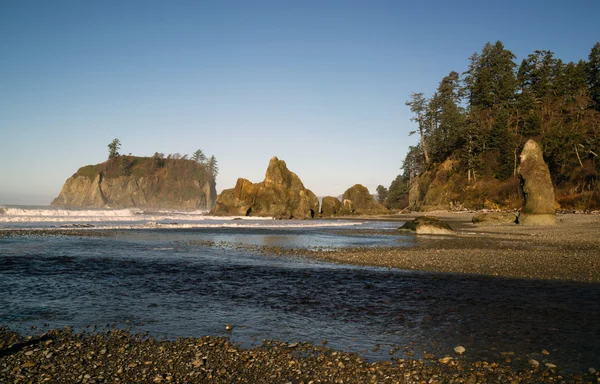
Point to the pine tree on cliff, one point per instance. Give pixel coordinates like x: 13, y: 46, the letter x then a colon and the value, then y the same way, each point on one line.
x: 113, y: 149
x: 418, y: 105
x: 213, y: 168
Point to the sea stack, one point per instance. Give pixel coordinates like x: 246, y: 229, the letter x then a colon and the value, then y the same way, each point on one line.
x: 281, y: 195
x: 536, y: 186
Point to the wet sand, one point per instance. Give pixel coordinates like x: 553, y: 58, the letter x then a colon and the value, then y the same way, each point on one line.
x: 567, y: 251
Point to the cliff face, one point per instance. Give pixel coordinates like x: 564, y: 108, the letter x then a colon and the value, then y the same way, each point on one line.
x: 141, y: 183
x: 442, y: 188
x: 280, y: 195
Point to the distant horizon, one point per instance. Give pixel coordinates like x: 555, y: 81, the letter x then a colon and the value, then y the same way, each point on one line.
x: 321, y: 85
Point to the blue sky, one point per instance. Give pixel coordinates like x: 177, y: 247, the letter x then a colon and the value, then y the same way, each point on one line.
x: 320, y: 84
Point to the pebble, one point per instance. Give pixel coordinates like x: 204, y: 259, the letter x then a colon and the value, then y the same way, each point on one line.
x: 534, y: 363
x: 459, y: 349
x: 550, y: 365
x: 217, y: 360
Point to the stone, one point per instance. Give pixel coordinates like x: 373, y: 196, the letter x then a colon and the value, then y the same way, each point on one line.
x: 536, y: 186
x: 459, y: 349
x: 427, y: 225
x: 330, y: 206
x: 495, y: 218
x: 534, y: 363
x: 357, y: 200
x: 281, y: 195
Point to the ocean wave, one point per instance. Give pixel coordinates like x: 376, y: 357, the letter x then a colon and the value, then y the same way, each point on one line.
x: 260, y: 224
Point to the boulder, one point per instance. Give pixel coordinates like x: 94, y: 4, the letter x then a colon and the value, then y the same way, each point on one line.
x: 281, y: 195
x: 358, y: 201
x: 427, y: 225
x: 330, y: 206
x: 536, y: 186
x: 495, y: 218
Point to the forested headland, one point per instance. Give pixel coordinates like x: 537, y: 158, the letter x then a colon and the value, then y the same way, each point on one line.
x: 473, y: 127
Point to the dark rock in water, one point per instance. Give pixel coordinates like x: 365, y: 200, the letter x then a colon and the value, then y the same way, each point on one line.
x: 281, y: 195
x: 427, y: 225
x: 538, y: 192
x: 358, y: 201
x: 495, y: 218
x: 330, y: 206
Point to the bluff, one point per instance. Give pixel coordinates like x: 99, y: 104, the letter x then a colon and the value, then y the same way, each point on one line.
x: 280, y: 195
x: 140, y: 182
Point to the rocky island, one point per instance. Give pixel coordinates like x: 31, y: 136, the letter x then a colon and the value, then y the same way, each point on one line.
x: 140, y: 182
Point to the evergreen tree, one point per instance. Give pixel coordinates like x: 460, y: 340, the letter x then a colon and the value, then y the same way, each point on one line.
x: 418, y: 105
x: 113, y: 148
x: 213, y: 169
x: 491, y: 80
x: 199, y: 157
x: 593, y: 75
x: 447, y: 116
x: 382, y: 193
x: 397, y: 197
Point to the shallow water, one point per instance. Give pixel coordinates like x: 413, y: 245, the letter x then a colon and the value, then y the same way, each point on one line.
x: 173, y: 282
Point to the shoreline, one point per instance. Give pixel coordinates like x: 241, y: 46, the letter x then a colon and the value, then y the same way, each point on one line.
x: 61, y: 356
x: 568, y: 251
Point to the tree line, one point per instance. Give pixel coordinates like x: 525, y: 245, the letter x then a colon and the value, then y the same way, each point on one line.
x: 209, y: 164
x: 481, y: 118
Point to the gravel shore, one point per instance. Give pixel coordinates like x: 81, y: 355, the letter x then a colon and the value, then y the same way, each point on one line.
x: 116, y: 356
x: 567, y: 251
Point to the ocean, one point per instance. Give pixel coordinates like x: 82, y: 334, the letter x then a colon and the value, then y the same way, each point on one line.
x: 174, y: 274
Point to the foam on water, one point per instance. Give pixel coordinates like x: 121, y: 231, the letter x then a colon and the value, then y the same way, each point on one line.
x: 47, y: 217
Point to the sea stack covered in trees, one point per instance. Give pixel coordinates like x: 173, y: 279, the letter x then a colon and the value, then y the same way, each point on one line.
x: 158, y: 182
x: 280, y: 195
x: 537, y: 188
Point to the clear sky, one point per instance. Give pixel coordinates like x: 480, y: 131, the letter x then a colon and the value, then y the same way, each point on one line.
x: 320, y: 84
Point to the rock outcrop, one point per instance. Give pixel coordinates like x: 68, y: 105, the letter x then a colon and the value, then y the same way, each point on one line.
x: 538, y: 192
x: 138, y: 182
x: 358, y: 201
x: 427, y: 225
x: 330, y: 206
x: 280, y: 195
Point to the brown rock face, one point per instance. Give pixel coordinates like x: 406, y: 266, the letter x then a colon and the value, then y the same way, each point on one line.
x: 330, y: 206
x: 280, y: 195
x: 357, y: 200
x: 537, y: 188
x: 181, y: 185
